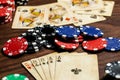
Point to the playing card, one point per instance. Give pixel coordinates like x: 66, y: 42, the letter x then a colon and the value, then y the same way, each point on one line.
x: 51, y: 64
x: 83, y: 4
x: 29, y: 17
x: 106, y: 11
x: 58, y: 14
x: 76, y: 67
x: 37, y: 65
x: 44, y: 64
x: 87, y: 19
x: 29, y: 66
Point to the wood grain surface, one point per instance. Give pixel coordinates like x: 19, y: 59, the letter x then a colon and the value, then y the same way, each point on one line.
x: 111, y: 27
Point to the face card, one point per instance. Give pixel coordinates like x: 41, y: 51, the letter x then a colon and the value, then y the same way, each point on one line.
x: 29, y: 17
x: 58, y: 14
x: 87, y: 19
x: 38, y: 68
x: 76, y: 67
x: 83, y: 4
x: 29, y: 66
x: 106, y: 11
x: 45, y: 67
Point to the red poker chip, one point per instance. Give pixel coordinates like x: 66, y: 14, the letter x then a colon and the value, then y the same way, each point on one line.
x: 5, y: 11
x: 6, y: 18
x: 15, y: 46
x: 95, y: 45
x: 65, y: 45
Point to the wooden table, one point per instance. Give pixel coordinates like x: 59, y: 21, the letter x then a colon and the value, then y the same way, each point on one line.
x: 111, y: 27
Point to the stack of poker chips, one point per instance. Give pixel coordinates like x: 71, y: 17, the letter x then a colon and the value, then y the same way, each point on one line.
x: 63, y: 38
x: 6, y: 9
x: 21, y: 2
x: 112, y: 70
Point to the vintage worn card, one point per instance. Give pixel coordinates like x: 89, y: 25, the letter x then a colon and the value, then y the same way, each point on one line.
x: 59, y: 14
x: 31, y: 69
x: 106, y: 11
x: 29, y: 17
x: 76, y: 67
x: 87, y: 19
x: 83, y: 4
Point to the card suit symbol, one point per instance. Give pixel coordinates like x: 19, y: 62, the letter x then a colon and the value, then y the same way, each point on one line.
x: 50, y: 9
x: 76, y: 71
x: 67, y: 19
x: 47, y: 62
x: 43, y: 63
x: 50, y: 60
x: 43, y: 60
x: 93, y: 16
x: 61, y: 18
x: 28, y: 66
x: 102, y: 11
x: 80, y: 20
x: 59, y: 59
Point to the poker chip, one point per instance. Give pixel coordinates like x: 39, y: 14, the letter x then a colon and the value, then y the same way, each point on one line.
x: 15, y: 77
x: 67, y: 32
x: 5, y: 15
x: 113, y: 44
x: 48, y: 31
x: 34, y: 41
x: 21, y: 2
x: 94, y: 45
x: 4, y: 12
x: 65, y: 45
x: 33, y: 47
x: 8, y: 4
x: 91, y: 31
x: 15, y: 46
x: 113, y: 69
x: 49, y: 44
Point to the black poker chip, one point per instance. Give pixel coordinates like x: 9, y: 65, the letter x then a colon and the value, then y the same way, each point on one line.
x: 113, y: 69
x: 21, y: 2
x: 47, y: 31
x: 49, y: 44
x: 34, y: 41
x: 33, y: 48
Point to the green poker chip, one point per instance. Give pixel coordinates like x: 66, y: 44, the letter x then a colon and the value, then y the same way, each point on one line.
x: 15, y: 77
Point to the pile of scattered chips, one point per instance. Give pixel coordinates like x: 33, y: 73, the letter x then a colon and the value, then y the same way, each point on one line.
x: 15, y: 77
x: 66, y: 38
x: 6, y: 9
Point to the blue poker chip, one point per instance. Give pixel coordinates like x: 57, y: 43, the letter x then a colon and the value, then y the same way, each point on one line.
x: 113, y: 44
x: 91, y: 31
x: 67, y: 32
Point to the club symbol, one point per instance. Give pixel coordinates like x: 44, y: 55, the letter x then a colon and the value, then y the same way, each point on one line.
x: 76, y: 71
x: 102, y: 11
x: 93, y: 16
x: 59, y: 59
